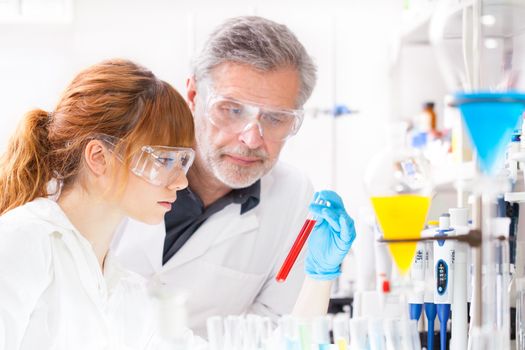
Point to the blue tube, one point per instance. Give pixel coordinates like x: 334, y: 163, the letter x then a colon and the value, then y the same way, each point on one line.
x: 430, y: 311
x: 415, y: 311
x: 443, y: 311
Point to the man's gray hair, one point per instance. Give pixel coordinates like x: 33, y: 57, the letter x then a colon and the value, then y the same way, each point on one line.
x: 260, y: 43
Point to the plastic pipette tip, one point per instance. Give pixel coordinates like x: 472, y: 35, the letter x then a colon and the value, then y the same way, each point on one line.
x: 443, y: 311
x: 415, y: 311
x: 430, y: 311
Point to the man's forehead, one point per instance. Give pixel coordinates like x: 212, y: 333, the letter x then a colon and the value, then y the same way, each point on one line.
x: 276, y: 88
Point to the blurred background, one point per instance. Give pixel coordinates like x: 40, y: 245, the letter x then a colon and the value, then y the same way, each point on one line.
x: 373, y: 58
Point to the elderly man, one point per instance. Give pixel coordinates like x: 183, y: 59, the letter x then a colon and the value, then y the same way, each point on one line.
x: 228, y: 233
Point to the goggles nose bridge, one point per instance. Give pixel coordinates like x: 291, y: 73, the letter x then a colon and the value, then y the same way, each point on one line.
x: 250, y: 124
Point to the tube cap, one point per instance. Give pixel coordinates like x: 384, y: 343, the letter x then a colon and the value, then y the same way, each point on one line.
x: 444, y: 221
x: 458, y: 217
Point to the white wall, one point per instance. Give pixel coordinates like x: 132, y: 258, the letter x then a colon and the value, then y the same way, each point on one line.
x: 348, y: 39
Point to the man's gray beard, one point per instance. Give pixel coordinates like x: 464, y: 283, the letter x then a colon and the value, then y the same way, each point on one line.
x: 236, y: 176
x: 244, y: 177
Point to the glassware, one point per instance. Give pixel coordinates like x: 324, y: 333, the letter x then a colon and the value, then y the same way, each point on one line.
x: 399, y: 185
x: 480, y: 45
x: 341, y: 331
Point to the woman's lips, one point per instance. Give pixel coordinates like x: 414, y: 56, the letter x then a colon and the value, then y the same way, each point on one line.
x: 166, y: 205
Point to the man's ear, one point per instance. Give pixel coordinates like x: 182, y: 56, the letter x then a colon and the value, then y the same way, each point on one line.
x: 95, y: 157
x: 191, y: 92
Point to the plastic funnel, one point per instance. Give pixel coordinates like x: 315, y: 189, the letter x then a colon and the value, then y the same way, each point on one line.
x: 490, y: 119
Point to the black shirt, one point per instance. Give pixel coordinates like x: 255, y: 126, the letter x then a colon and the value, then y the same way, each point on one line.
x: 187, y: 214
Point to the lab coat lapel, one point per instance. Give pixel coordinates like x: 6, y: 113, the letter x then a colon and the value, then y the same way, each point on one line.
x: 63, y: 229
x: 220, y: 227
x: 156, y: 246
x: 140, y: 238
x: 86, y: 274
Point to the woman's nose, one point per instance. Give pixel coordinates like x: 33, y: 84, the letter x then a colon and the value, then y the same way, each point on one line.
x: 179, y: 183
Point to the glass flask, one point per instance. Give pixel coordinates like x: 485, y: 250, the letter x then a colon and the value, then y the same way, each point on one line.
x: 399, y: 186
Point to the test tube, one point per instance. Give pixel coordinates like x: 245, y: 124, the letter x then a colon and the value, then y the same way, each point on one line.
x: 290, y: 332
x: 321, y: 333
x: 359, y: 334
x: 251, y: 332
x: 266, y: 333
x: 520, y: 312
x: 394, y: 336
x: 215, y: 328
x: 376, y: 336
x: 234, y: 332
x: 341, y: 330
x: 258, y: 332
x: 301, y: 239
x: 305, y: 334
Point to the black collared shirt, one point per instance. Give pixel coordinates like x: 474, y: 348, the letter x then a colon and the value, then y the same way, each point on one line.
x: 187, y: 214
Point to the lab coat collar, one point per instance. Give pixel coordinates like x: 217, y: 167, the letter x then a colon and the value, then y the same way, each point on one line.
x: 115, y: 273
x: 49, y: 211
x: 84, y: 257
x: 217, y: 229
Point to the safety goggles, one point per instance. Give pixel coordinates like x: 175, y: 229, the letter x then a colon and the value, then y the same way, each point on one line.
x: 234, y: 116
x: 158, y: 165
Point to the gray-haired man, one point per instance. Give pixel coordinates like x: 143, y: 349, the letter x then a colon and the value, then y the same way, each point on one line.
x: 228, y: 233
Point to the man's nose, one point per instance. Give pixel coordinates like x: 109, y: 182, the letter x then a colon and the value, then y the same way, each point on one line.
x: 252, y: 135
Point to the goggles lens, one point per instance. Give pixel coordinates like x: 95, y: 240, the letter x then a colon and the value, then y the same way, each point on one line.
x: 161, y: 165
x: 234, y: 116
x: 158, y: 165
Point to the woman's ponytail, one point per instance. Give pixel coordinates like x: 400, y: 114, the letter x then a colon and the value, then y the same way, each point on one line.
x: 25, y: 167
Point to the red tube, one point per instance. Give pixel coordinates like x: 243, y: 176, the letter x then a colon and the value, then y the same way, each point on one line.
x: 301, y: 239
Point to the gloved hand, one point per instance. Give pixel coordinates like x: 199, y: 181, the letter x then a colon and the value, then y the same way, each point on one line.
x: 331, y: 237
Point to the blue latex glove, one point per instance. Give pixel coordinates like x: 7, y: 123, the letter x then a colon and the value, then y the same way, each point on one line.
x: 331, y: 237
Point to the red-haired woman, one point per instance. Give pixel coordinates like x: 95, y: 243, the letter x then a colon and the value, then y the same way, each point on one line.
x: 117, y: 144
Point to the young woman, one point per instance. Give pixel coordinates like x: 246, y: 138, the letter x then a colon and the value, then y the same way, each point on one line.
x: 117, y: 145
x: 59, y: 288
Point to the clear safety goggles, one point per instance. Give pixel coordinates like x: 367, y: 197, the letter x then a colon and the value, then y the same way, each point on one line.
x: 158, y: 165
x: 234, y: 116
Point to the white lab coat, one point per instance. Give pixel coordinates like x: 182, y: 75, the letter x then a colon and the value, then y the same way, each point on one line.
x: 229, y: 264
x: 53, y: 294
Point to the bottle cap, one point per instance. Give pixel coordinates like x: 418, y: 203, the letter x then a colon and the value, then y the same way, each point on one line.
x: 386, y: 286
x: 428, y: 104
x: 444, y: 221
x: 458, y: 217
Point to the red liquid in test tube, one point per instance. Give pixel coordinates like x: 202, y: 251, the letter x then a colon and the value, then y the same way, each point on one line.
x: 295, y: 250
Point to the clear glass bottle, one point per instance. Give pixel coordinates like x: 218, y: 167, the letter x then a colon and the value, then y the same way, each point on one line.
x: 399, y: 185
